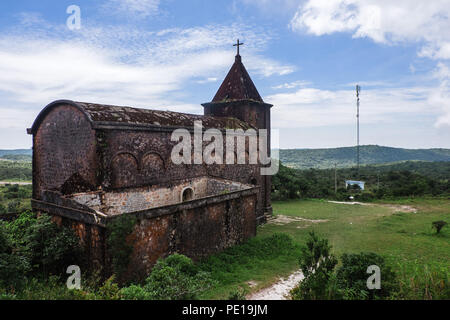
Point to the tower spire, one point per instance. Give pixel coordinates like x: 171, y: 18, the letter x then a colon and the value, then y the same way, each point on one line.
x: 238, y: 44
x: 237, y: 84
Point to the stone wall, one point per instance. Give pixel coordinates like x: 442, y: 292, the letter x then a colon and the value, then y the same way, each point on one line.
x: 196, y: 229
x: 126, y: 155
x: 143, y: 198
x: 64, y: 153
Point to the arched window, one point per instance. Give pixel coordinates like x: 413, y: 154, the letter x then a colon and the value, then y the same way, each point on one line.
x: 254, y: 181
x: 124, y: 170
x: 187, y: 194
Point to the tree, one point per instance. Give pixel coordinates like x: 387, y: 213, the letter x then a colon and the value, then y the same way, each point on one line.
x: 173, y: 278
x: 317, y: 264
x: 352, y: 277
x: 438, y: 225
x: 12, y: 266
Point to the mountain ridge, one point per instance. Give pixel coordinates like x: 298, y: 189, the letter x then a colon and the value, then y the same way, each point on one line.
x: 345, y: 157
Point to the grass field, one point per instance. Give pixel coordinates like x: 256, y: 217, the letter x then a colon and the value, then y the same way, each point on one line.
x: 419, y: 255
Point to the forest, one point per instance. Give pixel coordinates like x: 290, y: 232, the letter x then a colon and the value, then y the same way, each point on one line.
x: 405, y: 179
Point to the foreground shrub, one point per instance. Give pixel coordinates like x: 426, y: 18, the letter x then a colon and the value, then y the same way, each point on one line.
x: 52, y: 288
x: 237, y: 294
x: 173, y: 278
x: 13, y: 206
x: 352, y: 277
x: 13, y: 267
x: 438, y: 225
x: 51, y: 249
x: 119, y: 249
x: 109, y: 290
x: 35, y: 246
x: 317, y: 264
x: 423, y: 282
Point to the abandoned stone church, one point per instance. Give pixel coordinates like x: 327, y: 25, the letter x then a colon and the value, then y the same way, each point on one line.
x: 93, y: 163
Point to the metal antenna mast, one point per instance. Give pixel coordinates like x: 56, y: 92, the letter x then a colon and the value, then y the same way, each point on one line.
x: 358, y: 90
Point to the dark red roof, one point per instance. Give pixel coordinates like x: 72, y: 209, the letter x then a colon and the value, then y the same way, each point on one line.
x: 106, y: 115
x: 237, y: 85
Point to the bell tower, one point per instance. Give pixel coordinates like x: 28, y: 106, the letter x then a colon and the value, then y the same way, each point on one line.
x: 238, y: 97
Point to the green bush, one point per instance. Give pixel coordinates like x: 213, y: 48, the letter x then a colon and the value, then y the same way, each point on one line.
x: 317, y: 264
x: 173, y: 278
x: 13, y: 188
x: 237, y: 294
x: 13, y: 206
x: 423, y: 282
x: 13, y: 267
x: 119, y: 248
x: 438, y: 225
x: 109, y: 290
x: 48, y: 248
x: 352, y: 277
x: 365, y: 196
x: 52, y: 288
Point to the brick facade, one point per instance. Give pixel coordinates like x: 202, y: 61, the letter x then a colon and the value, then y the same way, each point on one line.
x: 93, y: 163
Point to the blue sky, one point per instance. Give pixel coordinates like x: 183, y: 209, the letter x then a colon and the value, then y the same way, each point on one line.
x: 305, y: 57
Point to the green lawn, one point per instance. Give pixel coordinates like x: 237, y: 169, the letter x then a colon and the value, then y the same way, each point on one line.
x: 354, y: 228
x: 406, y: 240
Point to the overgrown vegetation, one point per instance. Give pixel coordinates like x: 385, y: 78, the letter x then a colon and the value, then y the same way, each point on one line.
x: 34, y: 247
x: 118, y: 244
x: 349, y: 282
x: 173, y: 278
x: 438, y: 225
x: 260, y: 260
x: 15, y: 170
x: 382, y: 182
x: 317, y: 264
x: 15, y: 198
x: 405, y: 240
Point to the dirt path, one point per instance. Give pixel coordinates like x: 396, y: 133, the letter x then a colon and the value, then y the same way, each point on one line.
x: 280, y: 219
x: 279, y: 290
x: 394, y: 207
x: 2, y: 183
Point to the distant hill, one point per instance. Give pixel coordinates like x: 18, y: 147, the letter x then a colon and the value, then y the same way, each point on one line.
x: 16, y: 155
x: 346, y: 157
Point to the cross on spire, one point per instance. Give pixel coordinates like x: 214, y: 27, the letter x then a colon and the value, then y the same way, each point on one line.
x: 238, y: 44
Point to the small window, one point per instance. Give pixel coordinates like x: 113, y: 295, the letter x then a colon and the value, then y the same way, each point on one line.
x: 187, y: 195
x: 254, y: 181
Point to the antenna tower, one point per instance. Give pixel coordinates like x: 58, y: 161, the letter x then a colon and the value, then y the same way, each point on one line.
x: 358, y: 90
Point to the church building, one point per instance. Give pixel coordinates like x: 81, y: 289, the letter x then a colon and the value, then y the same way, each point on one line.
x: 93, y: 163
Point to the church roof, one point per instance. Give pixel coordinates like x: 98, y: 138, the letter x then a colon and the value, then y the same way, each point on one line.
x: 101, y: 115
x: 237, y: 85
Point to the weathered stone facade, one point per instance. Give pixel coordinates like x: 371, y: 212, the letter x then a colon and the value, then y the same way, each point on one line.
x: 93, y: 163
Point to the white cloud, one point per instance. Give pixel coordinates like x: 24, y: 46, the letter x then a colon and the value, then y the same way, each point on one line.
x: 270, y: 7
x: 440, y: 97
x: 291, y: 85
x: 117, y: 65
x: 384, y: 21
x: 311, y: 107
x: 390, y: 22
x: 135, y: 8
